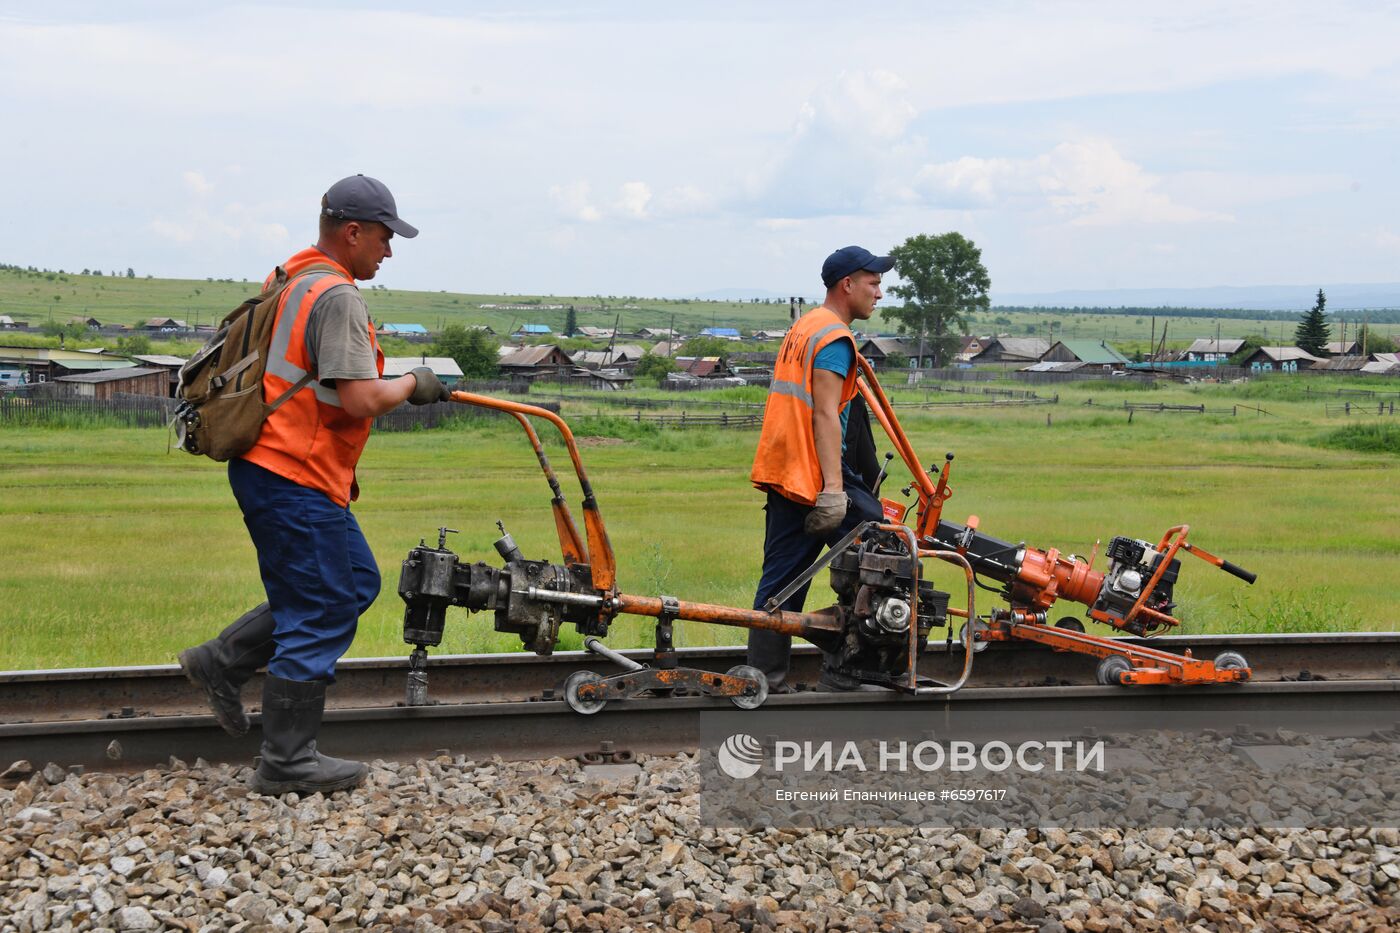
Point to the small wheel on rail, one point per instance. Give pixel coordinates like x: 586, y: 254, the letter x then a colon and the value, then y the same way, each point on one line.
x: 1111, y: 670
x: 978, y: 626
x: 756, y: 676
x: 1230, y: 661
x: 1070, y: 624
x: 577, y: 703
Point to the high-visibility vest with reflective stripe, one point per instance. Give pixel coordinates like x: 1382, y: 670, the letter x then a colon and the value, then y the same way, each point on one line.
x: 786, y: 461
x: 310, y: 440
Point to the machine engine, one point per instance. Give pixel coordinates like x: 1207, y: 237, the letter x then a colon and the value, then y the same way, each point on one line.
x: 874, y: 583
x: 1131, y: 564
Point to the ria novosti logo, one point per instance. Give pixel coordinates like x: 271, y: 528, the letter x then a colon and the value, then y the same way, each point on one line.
x: 740, y: 756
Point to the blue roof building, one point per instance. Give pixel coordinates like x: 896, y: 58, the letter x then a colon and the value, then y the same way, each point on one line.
x: 418, y: 329
x: 534, y: 329
x: 729, y: 333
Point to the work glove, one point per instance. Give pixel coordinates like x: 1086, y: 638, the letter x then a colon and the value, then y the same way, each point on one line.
x: 827, y: 514
x: 429, y: 388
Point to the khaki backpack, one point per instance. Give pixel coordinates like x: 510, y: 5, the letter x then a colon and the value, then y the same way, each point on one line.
x: 221, y: 409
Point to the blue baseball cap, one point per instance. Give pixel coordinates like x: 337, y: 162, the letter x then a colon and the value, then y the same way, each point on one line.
x: 850, y: 259
x: 360, y: 197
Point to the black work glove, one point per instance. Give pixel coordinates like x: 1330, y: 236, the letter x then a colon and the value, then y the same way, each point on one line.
x: 429, y: 388
x: 827, y: 514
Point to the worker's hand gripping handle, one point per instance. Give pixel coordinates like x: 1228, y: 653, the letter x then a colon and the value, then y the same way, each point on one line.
x: 1237, y: 571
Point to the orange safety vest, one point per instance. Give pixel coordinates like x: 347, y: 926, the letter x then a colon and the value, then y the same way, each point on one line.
x: 786, y: 461
x: 310, y: 440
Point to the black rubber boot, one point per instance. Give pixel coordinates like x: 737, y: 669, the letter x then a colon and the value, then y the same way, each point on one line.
x: 222, y: 665
x: 291, y: 717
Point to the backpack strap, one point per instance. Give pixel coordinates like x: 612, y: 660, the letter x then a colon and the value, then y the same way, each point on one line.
x: 307, y: 379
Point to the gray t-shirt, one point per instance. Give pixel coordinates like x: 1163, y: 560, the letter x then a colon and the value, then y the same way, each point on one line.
x: 337, y: 336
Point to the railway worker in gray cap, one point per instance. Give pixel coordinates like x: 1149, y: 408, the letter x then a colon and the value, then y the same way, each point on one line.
x: 295, y: 487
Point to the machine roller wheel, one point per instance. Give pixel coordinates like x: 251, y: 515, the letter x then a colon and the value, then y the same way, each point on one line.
x: 1111, y: 670
x: 1070, y: 624
x: 577, y: 703
x: 1230, y: 661
x: 977, y: 626
x: 756, y: 676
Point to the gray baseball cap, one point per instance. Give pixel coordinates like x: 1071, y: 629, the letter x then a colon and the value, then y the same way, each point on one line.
x: 360, y: 197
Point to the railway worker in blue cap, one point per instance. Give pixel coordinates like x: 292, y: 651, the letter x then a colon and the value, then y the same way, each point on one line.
x: 814, y: 497
x: 295, y: 487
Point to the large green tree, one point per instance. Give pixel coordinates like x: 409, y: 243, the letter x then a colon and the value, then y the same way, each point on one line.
x: 1368, y: 342
x: 1313, y: 333
x: 943, y: 282
x: 474, y: 351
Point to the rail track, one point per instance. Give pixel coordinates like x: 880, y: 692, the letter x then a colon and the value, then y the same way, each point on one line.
x: 508, y: 705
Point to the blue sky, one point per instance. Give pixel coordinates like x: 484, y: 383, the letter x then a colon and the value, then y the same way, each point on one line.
x: 644, y: 149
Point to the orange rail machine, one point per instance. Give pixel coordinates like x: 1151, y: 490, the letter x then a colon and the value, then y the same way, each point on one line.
x: 884, y: 612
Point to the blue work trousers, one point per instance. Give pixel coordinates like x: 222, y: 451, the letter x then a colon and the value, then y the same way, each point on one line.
x: 787, y: 551
x: 316, y: 568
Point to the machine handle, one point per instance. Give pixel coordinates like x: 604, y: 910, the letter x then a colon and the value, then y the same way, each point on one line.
x: 1237, y: 571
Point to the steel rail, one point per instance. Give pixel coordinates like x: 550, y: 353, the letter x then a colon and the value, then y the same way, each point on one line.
x: 507, y: 704
x: 524, y: 730
x: 161, y: 690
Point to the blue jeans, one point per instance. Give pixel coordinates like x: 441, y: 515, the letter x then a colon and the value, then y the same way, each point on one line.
x: 316, y: 568
x: 787, y: 551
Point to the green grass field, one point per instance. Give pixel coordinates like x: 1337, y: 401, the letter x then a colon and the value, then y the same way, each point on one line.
x: 115, y: 552
x: 39, y: 297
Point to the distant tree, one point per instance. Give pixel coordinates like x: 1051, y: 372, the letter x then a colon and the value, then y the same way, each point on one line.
x: 943, y: 282
x: 653, y: 368
x: 1247, y: 349
x: 1313, y: 333
x: 705, y: 346
x: 570, y: 322
x: 1368, y: 342
x: 134, y: 345
x: 130, y: 272
x: 472, y: 349
x: 70, y: 330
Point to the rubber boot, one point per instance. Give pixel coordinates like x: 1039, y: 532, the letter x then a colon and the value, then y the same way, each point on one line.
x: 291, y: 717
x: 222, y: 665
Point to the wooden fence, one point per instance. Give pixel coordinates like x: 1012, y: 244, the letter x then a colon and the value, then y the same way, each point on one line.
x: 137, y: 411
x: 1357, y: 408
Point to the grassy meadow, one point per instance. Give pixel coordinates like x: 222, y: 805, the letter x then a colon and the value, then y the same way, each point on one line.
x: 116, y: 552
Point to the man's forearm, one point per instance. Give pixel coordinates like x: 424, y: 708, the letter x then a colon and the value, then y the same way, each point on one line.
x: 826, y: 429
x: 370, y: 398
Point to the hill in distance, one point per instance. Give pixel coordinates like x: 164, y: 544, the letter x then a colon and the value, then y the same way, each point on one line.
x: 1344, y: 296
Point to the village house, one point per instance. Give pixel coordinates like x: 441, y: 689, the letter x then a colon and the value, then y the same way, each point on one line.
x: 164, y: 325
x: 402, y: 330
x: 533, y: 362
x: 104, y: 384
x: 171, y: 365
x: 1280, y: 359
x: 1019, y: 350
x: 444, y: 367
x: 1210, y: 350
x: 1089, y: 352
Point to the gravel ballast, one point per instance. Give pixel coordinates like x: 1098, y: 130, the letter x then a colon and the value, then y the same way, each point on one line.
x: 452, y: 844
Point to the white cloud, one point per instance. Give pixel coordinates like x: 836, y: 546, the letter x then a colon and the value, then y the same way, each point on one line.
x: 1388, y: 240
x: 234, y: 227
x: 197, y: 183
x: 573, y: 202
x: 1089, y: 182
x: 632, y: 201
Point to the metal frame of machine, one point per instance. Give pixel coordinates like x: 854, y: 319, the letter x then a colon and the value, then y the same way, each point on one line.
x: 885, y: 608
